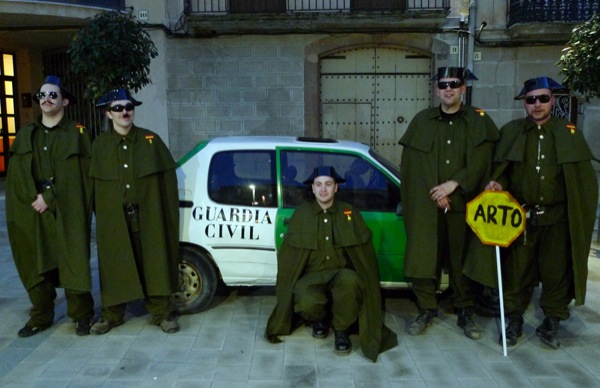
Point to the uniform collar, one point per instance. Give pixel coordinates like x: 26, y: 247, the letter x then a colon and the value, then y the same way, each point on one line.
x: 131, y: 135
x: 40, y: 124
x: 435, y: 113
x: 316, y: 208
x: 532, y: 125
x: 450, y: 116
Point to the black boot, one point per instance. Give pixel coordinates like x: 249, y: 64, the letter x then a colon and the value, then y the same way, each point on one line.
x: 343, y: 346
x: 422, y: 322
x: 514, y: 330
x: 320, y: 329
x: 466, y: 322
x: 548, y: 332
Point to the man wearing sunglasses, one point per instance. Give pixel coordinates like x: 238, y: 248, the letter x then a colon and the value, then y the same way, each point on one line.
x: 48, y: 211
x: 545, y: 163
x: 137, y: 217
x: 446, y: 161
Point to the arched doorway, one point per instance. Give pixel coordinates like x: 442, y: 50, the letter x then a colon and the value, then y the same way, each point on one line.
x: 370, y: 94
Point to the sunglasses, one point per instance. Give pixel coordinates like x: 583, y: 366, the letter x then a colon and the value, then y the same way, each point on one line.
x: 452, y: 84
x: 120, y: 108
x: 543, y: 98
x: 42, y: 95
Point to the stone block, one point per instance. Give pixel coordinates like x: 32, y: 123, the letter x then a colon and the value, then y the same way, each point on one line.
x: 230, y: 126
x: 230, y: 96
x: 217, y: 111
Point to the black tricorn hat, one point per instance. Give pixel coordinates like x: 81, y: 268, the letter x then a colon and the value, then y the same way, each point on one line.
x: 54, y: 80
x: 117, y: 95
x: 462, y: 73
x: 324, y: 171
x: 539, y: 83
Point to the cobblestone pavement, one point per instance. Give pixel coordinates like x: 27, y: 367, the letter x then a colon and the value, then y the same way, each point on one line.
x: 224, y: 347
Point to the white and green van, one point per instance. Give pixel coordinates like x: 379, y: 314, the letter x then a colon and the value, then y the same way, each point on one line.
x: 238, y: 193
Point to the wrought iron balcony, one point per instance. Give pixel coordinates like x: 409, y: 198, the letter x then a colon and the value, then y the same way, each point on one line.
x: 283, y: 6
x: 108, y: 4
x: 541, y: 11
x: 238, y: 17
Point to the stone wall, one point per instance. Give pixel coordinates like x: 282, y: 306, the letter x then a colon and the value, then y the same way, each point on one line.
x: 256, y: 85
x: 249, y: 85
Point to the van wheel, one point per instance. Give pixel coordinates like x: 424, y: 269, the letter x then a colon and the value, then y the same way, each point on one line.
x: 198, y: 280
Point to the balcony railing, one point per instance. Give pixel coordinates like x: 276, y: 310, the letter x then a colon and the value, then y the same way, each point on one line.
x: 527, y: 11
x: 282, y: 6
x: 108, y: 4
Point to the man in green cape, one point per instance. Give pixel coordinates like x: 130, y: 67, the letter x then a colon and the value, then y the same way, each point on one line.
x: 48, y: 211
x: 446, y: 162
x: 545, y: 163
x: 137, y: 217
x: 327, y: 273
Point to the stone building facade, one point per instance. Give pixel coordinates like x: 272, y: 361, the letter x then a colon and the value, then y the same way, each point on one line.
x: 226, y: 73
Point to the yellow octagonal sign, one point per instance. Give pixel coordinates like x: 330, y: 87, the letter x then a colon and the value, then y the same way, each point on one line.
x: 496, y: 217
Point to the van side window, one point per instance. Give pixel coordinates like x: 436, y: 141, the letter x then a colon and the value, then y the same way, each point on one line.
x: 366, y: 187
x: 245, y: 178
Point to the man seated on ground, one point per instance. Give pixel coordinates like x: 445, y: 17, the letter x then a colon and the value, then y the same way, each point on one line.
x: 328, y: 273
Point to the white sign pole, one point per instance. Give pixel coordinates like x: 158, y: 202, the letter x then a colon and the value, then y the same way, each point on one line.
x: 501, y: 297
x: 490, y: 232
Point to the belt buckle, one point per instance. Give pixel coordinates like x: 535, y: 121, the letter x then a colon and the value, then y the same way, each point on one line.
x: 130, y: 209
x: 539, y: 210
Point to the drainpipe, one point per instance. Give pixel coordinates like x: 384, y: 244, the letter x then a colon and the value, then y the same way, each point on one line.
x: 471, y: 43
x: 465, y: 41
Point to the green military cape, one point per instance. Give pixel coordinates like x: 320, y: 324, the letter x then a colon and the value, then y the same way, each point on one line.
x: 581, y: 182
x: 156, y: 185
x: 352, y: 233
x: 59, y: 238
x: 419, y: 173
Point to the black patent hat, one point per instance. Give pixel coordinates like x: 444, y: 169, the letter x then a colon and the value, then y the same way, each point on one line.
x: 324, y: 171
x: 539, y: 83
x: 117, y: 95
x: 54, y: 80
x: 462, y: 73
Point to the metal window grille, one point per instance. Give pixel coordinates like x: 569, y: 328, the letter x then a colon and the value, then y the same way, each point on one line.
x: 524, y: 11
x: 85, y: 111
x: 281, y: 6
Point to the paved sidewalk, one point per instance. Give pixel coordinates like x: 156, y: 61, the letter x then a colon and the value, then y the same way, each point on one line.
x: 224, y: 347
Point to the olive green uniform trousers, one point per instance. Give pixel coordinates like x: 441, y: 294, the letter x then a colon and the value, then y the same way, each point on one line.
x: 311, y: 296
x: 158, y: 306
x: 451, y: 254
x: 543, y: 257
x: 80, y: 304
